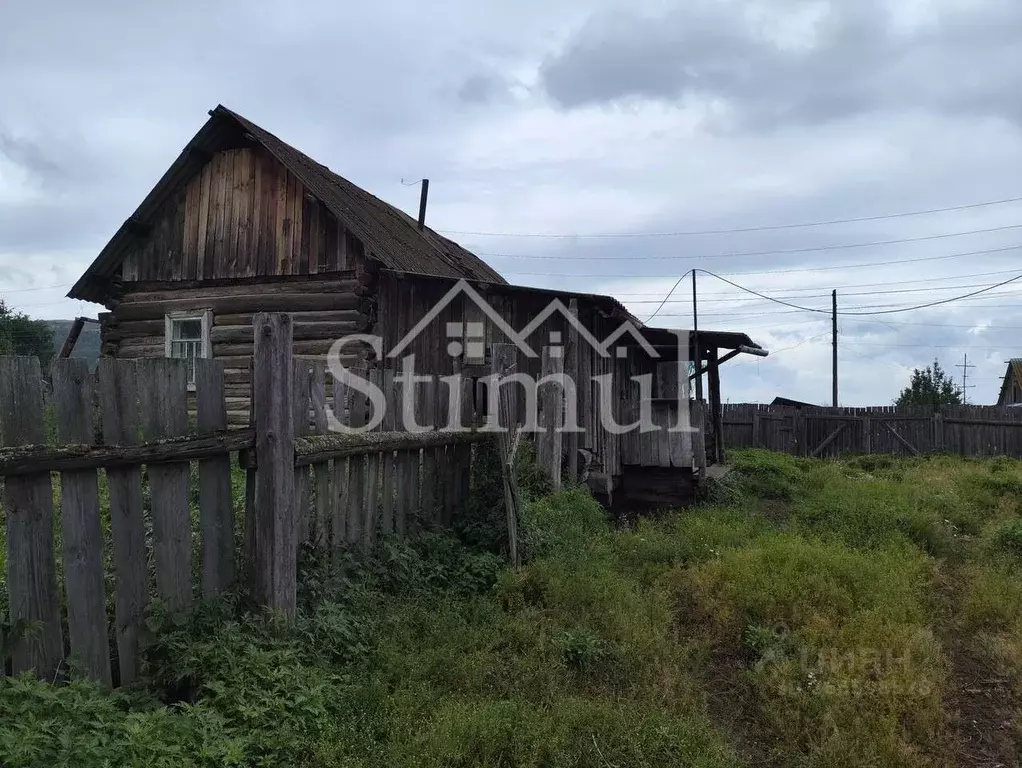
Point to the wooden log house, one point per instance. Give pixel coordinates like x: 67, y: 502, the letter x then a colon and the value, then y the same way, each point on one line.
x: 242, y: 223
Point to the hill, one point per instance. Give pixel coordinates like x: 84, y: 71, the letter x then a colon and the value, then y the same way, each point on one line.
x: 87, y: 347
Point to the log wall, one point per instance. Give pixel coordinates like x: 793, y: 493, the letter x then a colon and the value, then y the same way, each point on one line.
x: 242, y: 215
x: 323, y: 309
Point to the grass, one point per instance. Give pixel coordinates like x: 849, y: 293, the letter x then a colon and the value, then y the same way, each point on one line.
x: 806, y: 614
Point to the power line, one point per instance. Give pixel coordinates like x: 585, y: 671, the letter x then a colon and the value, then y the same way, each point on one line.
x: 823, y: 296
x: 744, y: 254
x: 888, y: 263
x: 38, y: 288
x: 879, y: 312
x: 673, y: 288
x: 852, y: 285
x: 764, y: 228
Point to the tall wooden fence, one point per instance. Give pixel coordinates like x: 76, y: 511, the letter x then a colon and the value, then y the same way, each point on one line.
x: 137, y: 429
x: 966, y: 430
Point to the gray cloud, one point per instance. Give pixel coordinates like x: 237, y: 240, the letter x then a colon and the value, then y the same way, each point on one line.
x: 854, y: 59
x: 864, y: 110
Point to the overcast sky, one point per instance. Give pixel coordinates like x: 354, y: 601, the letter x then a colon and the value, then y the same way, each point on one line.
x: 577, y: 118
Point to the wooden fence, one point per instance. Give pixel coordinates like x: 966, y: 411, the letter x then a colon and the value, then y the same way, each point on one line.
x: 966, y: 430
x: 137, y: 426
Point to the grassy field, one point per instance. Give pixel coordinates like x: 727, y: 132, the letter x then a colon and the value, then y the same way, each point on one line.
x: 858, y: 613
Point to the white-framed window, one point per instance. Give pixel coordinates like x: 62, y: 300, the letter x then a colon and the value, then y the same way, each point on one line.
x: 186, y: 337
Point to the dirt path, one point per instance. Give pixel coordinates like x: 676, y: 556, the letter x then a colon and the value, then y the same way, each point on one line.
x: 982, y: 705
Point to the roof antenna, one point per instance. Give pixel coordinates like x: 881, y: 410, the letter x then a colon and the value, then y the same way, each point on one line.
x: 423, y: 196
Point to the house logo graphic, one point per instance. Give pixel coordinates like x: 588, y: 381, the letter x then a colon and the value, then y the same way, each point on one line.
x: 468, y: 338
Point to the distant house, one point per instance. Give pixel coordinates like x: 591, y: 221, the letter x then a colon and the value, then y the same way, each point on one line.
x: 789, y: 403
x: 1011, y: 387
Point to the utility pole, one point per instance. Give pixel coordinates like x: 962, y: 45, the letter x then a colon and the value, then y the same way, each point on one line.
x: 966, y: 386
x: 695, y: 340
x: 833, y: 297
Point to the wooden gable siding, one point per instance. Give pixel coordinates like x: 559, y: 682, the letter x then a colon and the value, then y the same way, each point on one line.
x: 242, y: 215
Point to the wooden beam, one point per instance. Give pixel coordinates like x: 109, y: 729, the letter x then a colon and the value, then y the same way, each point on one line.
x: 911, y: 448
x: 72, y: 338
x: 830, y: 439
x: 318, y: 448
x: 716, y: 412
x: 34, y: 459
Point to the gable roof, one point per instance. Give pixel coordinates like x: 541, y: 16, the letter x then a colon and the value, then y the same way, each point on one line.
x: 389, y: 235
x: 1012, y: 375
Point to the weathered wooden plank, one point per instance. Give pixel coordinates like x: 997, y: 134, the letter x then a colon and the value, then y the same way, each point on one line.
x: 31, y: 570
x: 340, y: 473
x: 81, y: 533
x: 163, y: 387
x: 321, y: 471
x: 216, y: 507
x: 203, y: 216
x: 215, y: 255
x: 502, y: 360
x: 699, y: 438
x: 315, y: 236
x: 330, y: 331
x: 426, y: 415
x: 388, y: 460
x: 357, y: 406
x: 118, y: 388
x: 229, y: 262
x: 302, y: 408
x: 269, y: 300
x: 297, y: 225
x: 275, y: 543
x: 243, y: 192
x: 256, y: 238
x: 283, y: 224
x: 548, y: 441
x: 168, y: 290
x: 189, y: 246
x: 35, y: 459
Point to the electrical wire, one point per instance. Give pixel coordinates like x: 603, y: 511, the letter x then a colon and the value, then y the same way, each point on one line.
x: 880, y: 312
x: 673, y: 288
x: 745, y: 254
x: 765, y: 228
x: 888, y: 263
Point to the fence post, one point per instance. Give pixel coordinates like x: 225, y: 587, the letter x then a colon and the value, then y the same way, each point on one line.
x: 274, y: 538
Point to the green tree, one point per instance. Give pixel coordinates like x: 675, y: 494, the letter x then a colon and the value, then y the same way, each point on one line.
x: 21, y: 335
x: 930, y: 386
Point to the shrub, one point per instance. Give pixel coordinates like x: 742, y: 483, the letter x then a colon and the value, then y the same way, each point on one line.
x: 767, y: 475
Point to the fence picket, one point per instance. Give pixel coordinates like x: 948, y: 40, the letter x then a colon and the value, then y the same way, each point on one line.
x: 118, y: 385
x: 28, y: 500
x: 216, y: 508
x: 302, y: 404
x: 81, y: 532
x: 321, y: 472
